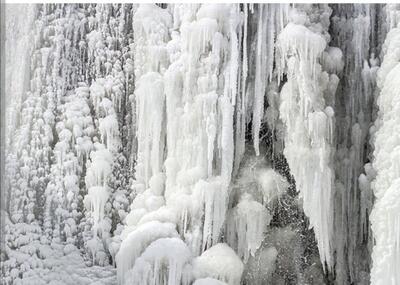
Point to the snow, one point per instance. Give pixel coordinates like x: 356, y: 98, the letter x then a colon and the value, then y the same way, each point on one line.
x: 272, y: 184
x: 136, y: 243
x: 208, y: 281
x: 219, y: 262
x: 163, y: 261
x: 68, y: 269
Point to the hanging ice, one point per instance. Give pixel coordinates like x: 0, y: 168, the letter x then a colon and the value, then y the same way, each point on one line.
x: 308, y: 122
x: 385, y: 218
x: 247, y: 224
x: 163, y: 262
x: 168, y: 140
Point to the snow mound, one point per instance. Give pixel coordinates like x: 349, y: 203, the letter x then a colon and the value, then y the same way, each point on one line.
x: 219, y: 262
x: 137, y: 241
x: 272, y: 184
x: 163, y: 262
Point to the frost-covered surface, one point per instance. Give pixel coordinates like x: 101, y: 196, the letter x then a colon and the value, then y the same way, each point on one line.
x: 202, y: 144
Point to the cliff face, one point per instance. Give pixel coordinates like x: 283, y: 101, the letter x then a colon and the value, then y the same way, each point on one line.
x: 201, y: 144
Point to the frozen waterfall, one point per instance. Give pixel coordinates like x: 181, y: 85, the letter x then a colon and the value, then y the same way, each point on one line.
x: 201, y: 144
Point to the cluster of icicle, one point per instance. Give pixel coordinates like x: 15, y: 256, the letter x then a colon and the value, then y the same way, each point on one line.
x: 194, y: 98
x: 308, y: 118
x: 356, y: 29
x: 185, y: 147
x: 385, y: 216
x: 187, y: 70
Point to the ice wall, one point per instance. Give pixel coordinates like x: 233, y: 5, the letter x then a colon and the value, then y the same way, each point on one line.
x: 309, y: 118
x: 184, y: 114
x: 234, y: 134
x: 355, y: 29
x: 385, y: 214
x: 18, y: 25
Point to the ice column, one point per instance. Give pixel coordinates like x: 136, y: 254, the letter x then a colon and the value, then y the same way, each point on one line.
x: 308, y: 123
x: 385, y: 216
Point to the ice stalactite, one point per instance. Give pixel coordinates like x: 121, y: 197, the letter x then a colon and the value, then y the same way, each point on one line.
x: 109, y: 71
x: 136, y: 242
x: 354, y: 32
x: 164, y: 261
x: 256, y: 188
x: 69, y: 113
x: 271, y: 20
x: 97, y: 174
x: 240, y: 112
x: 197, y: 132
x: 74, y: 132
x: 308, y: 118
x: 385, y: 218
x: 99, y: 169
x: 63, y: 114
x: 151, y: 34
x: 20, y: 20
x: 149, y: 100
x: 200, y: 137
x: 150, y: 24
x: 185, y: 130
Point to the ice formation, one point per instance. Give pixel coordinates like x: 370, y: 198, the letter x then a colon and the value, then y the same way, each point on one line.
x: 136, y: 243
x: 272, y: 184
x: 249, y: 222
x: 219, y: 262
x: 163, y: 262
x: 96, y: 181
x: 202, y: 144
x: 385, y: 219
x: 309, y: 126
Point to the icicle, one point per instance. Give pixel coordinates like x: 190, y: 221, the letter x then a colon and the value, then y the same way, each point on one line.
x: 212, y: 195
x: 136, y: 243
x: 259, y: 89
x: 270, y: 22
x: 96, y: 183
x: 307, y: 139
x: 162, y: 262
x: 150, y: 112
x: 97, y: 196
x: 227, y: 146
x: 109, y: 132
x: 249, y: 220
x: 241, y: 104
